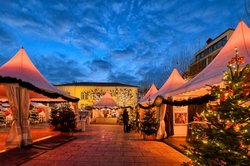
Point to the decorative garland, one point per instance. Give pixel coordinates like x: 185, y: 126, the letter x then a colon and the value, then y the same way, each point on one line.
x: 92, y: 107
x: 198, y: 100
x: 42, y: 101
x: 103, y: 107
x: 35, y: 89
x: 146, y: 107
x: 127, y: 107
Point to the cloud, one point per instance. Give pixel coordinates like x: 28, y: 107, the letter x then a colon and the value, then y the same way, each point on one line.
x: 58, y: 69
x: 100, y: 66
x: 151, y: 6
x: 132, y: 41
x: 156, y: 74
x: 117, y: 7
x: 123, y: 77
x: 6, y: 38
x: 120, y: 54
x: 25, y: 16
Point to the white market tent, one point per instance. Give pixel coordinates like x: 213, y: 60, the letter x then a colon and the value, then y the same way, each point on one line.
x: 106, y: 101
x: 173, y: 82
x: 213, y: 73
x: 148, y: 96
x: 19, y: 69
x: 21, y: 82
x: 105, y: 108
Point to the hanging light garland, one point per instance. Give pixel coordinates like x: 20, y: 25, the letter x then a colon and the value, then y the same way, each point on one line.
x: 198, y: 100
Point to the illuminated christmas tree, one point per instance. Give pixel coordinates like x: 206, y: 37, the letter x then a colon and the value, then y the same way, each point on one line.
x: 67, y: 120
x: 2, y: 118
x: 224, y: 138
x: 149, y: 124
x: 34, y: 116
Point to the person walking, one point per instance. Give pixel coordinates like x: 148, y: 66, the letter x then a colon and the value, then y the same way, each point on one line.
x: 137, y: 118
x: 125, y: 119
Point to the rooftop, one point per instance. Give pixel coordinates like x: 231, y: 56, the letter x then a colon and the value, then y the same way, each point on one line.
x: 211, y: 41
x: 96, y: 84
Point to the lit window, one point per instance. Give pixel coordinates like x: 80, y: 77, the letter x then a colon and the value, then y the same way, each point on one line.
x: 86, y: 96
x: 82, y: 95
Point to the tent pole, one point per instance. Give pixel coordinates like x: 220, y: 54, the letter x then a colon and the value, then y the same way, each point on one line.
x: 20, y: 115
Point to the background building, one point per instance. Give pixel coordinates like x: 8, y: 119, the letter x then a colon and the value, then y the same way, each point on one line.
x: 205, y: 55
x: 90, y: 92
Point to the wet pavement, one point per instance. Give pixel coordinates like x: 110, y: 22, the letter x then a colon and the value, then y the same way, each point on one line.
x: 108, y: 145
x: 38, y: 132
x: 177, y: 142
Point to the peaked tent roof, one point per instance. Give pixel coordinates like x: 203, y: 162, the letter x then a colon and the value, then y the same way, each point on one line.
x: 174, y: 81
x: 106, y: 101
x: 20, y: 69
x: 213, y: 73
x: 152, y: 90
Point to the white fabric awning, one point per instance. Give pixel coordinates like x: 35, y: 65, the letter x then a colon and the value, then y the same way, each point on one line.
x: 19, y: 69
x: 174, y: 81
x: 106, y: 101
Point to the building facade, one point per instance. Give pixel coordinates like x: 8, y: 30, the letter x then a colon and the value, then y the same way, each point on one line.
x: 205, y: 55
x: 91, y: 92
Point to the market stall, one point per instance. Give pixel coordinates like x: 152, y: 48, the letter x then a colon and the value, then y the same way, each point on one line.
x: 21, y: 82
x: 105, y: 110
x: 197, y: 88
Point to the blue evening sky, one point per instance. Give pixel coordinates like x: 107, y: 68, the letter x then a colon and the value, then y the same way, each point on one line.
x: 135, y: 42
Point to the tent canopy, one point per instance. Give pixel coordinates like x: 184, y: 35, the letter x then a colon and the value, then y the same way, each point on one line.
x: 152, y: 90
x: 213, y: 73
x: 174, y: 81
x: 20, y: 81
x: 38, y: 105
x: 19, y: 69
x: 106, y: 101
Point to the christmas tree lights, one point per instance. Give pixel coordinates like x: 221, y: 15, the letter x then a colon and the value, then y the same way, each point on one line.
x: 149, y: 124
x: 224, y: 137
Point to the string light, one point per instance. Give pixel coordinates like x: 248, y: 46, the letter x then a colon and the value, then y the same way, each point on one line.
x: 236, y: 50
x: 205, y: 141
x: 226, y: 120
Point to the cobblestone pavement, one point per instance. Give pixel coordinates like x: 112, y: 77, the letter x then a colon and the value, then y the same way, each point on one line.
x: 107, y: 145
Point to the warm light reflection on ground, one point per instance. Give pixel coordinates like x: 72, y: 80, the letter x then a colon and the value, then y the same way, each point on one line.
x: 37, y: 132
